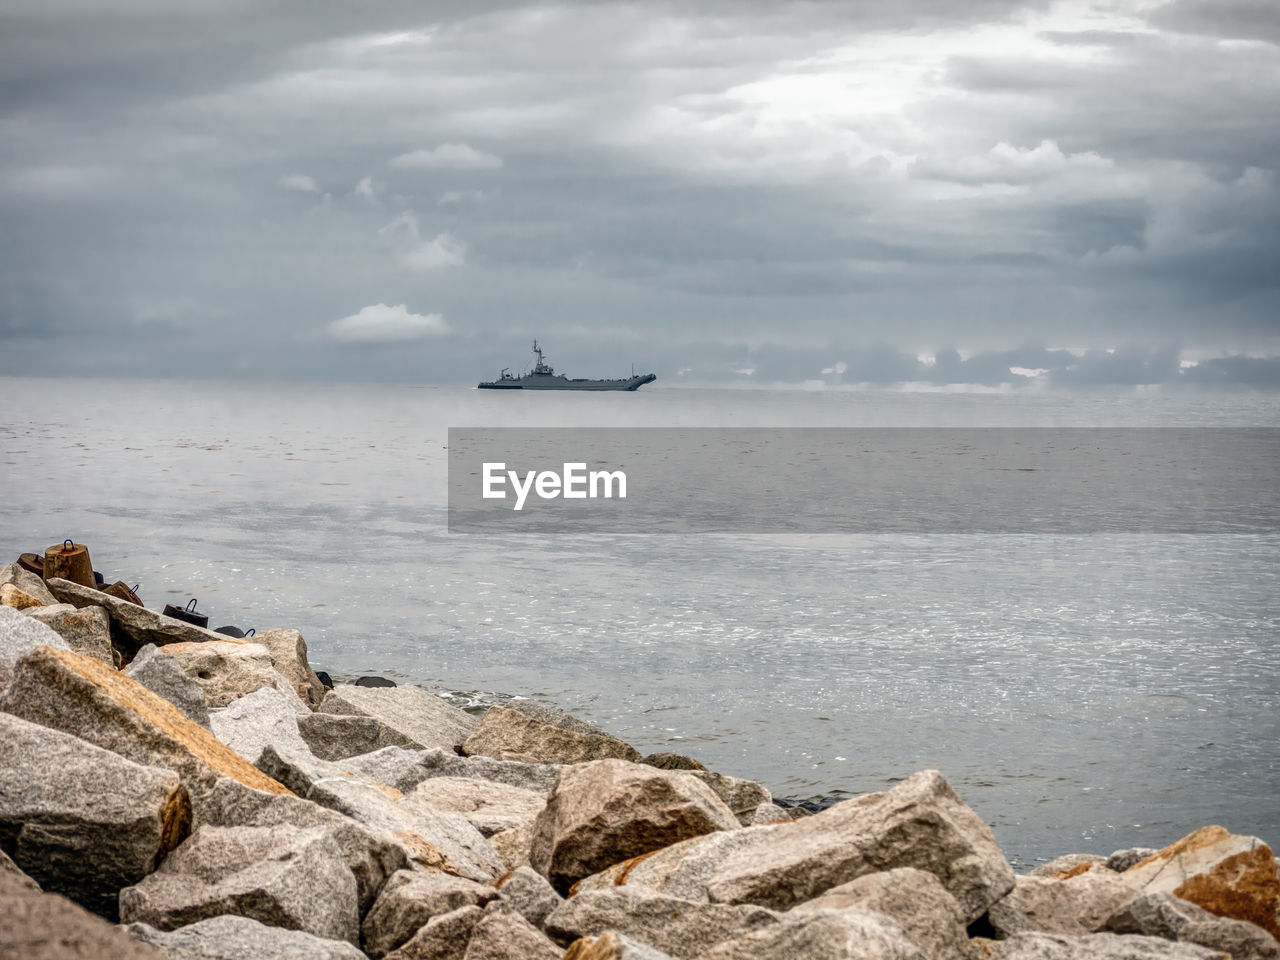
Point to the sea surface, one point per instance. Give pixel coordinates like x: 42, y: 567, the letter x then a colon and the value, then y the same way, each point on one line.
x: 1083, y: 693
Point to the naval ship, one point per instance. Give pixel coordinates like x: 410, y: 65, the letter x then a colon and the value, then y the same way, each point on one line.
x: 544, y: 377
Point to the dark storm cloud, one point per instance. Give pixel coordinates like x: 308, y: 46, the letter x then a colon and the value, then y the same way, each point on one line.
x: 229, y: 180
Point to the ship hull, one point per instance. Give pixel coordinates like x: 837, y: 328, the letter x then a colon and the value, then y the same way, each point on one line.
x: 544, y: 382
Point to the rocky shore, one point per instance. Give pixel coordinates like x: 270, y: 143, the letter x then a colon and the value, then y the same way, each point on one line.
x: 169, y: 791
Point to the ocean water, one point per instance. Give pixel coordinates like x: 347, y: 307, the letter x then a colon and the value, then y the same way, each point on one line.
x: 1082, y: 693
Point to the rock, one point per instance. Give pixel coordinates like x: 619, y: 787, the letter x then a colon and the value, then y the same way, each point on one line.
x: 45, y: 926
x: 605, y: 811
x: 513, y: 846
x: 160, y: 674
x: 422, y: 717
x: 332, y: 736
x: 87, y: 631
x: 676, y: 927
x: 410, y: 899
x: 20, y: 633
x: 87, y: 699
x: 768, y: 813
x: 31, y: 584
x: 1122, y: 860
x: 257, y: 720
x: 225, y: 669
x: 1068, y: 865
x: 612, y: 946
x: 443, y: 938
x: 1098, y: 946
x: 530, y: 894
x: 375, y: 682
x: 14, y: 872
x: 1229, y: 875
x: 405, y: 769
x: 281, y: 876
x: 6, y: 674
x: 508, y: 734
x: 325, y: 680
x: 917, y: 900
x: 1076, y: 905
x: 851, y: 934
x: 1171, y: 918
x: 672, y: 761
x: 296, y: 769
x: 740, y: 796
x: 289, y: 655
x: 82, y: 821
x: 11, y: 596
x: 239, y: 938
x: 502, y: 934
x: 490, y: 807
x: 546, y: 713
x: 920, y: 823
x: 435, y: 840
x: 133, y: 627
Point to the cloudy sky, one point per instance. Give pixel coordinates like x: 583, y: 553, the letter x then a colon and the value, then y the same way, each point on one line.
x: 881, y: 191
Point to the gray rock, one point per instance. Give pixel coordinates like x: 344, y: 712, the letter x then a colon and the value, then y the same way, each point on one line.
x: 918, y: 901
x: 81, y: 821
x: 490, y: 807
x: 333, y: 736
x: 26, y: 581
x: 676, y: 927
x: 131, y: 623
x: 225, y: 669
x: 1122, y: 860
x: 6, y: 674
x: 86, y: 631
x: 545, y: 713
x: 768, y: 813
x: 530, y: 894
x: 1097, y: 946
x: 739, y: 795
x: 405, y: 769
x: 1172, y: 918
x: 443, y: 938
x: 851, y: 934
x: 1068, y: 864
x: 251, y: 723
x: 612, y: 946
x: 507, y: 734
x: 672, y: 761
x: 160, y: 674
x: 239, y: 938
x: 1077, y: 905
x: 45, y: 926
x: 502, y: 934
x: 513, y: 846
x: 289, y: 656
x: 609, y: 810
x: 296, y: 769
x: 408, y: 902
x: 421, y: 717
x: 435, y: 840
x: 281, y: 876
x: 7, y: 866
x: 20, y: 633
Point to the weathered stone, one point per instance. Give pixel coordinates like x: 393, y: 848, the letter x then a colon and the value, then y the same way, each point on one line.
x: 160, y: 674
x: 920, y: 823
x: 20, y: 633
x: 1076, y: 905
x: 333, y: 736
x: 7, y: 866
x: 612, y: 946
x: 739, y: 795
x: 676, y: 927
x: 86, y: 698
x: 423, y: 718
x: 1097, y: 946
x: 513, y: 846
x: 6, y: 674
x: 851, y: 934
x: 1229, y: 875
x: 133, y: 626
x: 490, y: 807
x: 45, y: 926
x: 289, y: 655
x: 225, y: 669
x: 405, y: 769
x: 546, y: 713
x: 296, y: 769
x: 87, y: 631
x: 502, y: 934
x: 1068, y: 865
x: 435, y: 840
x: 928, y: 914
x: 82, y: 821
x: 602, y: 812
x: 443, y: 938
x: 1172, y: 918
x: 672, y: 761
x: 1122, y: 860
x: 31, y: 584
x: 281, y: 876
x: 410, y: 899
x: 11, y: 596
x: 239, y: 938
x: 249, y: 724
x: 530, y: 894
x: 768, y: 813
x: 507, y: 734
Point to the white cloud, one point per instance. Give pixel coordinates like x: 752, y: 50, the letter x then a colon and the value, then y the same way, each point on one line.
x: 447, y: 156
x: 367, y: 190
x: 300, y: 182
x: 380, y: 323
x: 1005, y: 163
x: 441, y: 251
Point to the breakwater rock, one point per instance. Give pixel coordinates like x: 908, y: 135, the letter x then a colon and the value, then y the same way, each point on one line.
x: 169, y: 791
